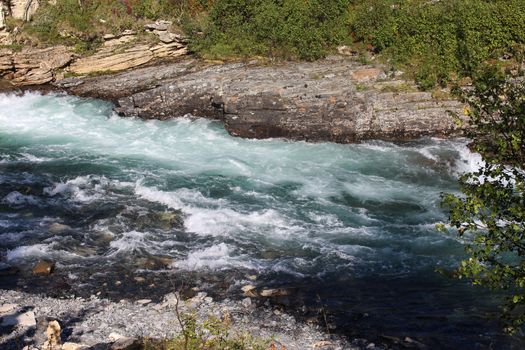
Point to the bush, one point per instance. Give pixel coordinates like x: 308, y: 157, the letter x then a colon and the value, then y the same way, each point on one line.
x: 305, y: 29
x: 83, y: 26
x: 490, y: 212
x: 436, y: 39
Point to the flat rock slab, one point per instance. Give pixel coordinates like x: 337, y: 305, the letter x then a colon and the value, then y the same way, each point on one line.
x: 335, y: 99
x: 23, y: 320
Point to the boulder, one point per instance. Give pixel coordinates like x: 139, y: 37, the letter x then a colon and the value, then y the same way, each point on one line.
x: 43, y: 268
x: 167, y: 37
x: 159, y: 25
x: 53, y: 341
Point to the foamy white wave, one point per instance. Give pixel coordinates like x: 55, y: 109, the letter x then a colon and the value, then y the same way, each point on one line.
x: 31, y: 251
x: 218, y: 220
x: 131, y: 241
x: 86, y: 189
x: 35, y: 159
x: 215, y: 258
x: 469, y: 161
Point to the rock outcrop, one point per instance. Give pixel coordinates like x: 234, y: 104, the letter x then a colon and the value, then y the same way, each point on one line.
x: 33, y: 66
x: 107, y: 60
x: 335, y: 99
x: 18, y: 9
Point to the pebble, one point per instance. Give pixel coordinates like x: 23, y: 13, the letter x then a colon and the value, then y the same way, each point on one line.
x: 143, y: 301
x: 102, y: 321
x: 246, y: 302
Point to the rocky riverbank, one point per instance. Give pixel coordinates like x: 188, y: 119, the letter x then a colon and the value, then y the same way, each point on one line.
x: 335, y: 99
x: 101, y: 324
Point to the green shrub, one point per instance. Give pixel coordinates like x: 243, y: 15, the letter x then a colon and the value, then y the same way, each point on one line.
x: 435, y: 39
x: 83, y: 26
x: 304, y: 29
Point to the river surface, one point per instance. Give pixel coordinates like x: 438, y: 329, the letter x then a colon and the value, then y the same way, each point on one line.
x: 146, y: 204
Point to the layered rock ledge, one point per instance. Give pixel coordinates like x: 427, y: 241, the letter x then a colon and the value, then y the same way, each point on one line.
x: 336, y: 99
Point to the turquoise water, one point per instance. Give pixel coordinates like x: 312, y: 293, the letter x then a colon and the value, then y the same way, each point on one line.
x: 350, y: 225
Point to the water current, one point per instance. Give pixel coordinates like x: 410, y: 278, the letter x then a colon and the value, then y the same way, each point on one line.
x: 351, y: 228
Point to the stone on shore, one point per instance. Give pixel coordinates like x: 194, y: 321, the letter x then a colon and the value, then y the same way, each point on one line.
x: 21, y: 320
x: 53, y: 341
x: 43, y: 268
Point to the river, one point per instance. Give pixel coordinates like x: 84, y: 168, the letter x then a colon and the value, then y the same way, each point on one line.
x: 351, y: 228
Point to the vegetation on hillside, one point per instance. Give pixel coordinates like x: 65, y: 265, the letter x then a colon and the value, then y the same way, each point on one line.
x: 490, y: 212
x: 435, y: 42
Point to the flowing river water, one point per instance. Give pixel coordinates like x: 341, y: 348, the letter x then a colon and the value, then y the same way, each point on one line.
x: 129, y: 208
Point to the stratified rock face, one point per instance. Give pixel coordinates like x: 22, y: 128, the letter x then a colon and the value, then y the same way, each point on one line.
x: 106, y: 60
x: 33, y: 66
x: 315, y: 101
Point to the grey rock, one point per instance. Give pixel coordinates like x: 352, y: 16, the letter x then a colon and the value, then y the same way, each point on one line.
x: 329, y: 100
x: 158, y: 25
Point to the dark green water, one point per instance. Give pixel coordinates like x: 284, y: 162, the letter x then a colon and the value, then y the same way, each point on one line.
x: 350, y: 226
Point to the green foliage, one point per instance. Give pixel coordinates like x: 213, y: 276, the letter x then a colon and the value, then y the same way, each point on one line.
x: 83, y: 26
x: 490, y: 213
x: 437, y: 39
x: 304, y: 29
x: 210, y: 334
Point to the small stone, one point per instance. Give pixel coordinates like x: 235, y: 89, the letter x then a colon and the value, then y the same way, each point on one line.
x: 167, y: 37
x: 248, y: 288
x: 57, y: 228
x: 43, y: 268
x: 279, y: 292
x: 139, y: 279
x: 6, y: 308
x: 346, y: 51
x: 113, y: 337
x: 118, y: 283
x: 143, y: 301
x: 246, y: 302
